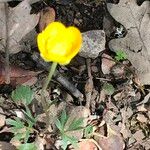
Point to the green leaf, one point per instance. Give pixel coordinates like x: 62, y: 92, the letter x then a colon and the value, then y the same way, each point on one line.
x: 120, y: 55
x: 18, y: 136
x: 29, y: 117
x: 16, y: 123
x: 27, y: 146
x: 22, y: 94
x: 27, y: 135
x: 19, y: 129
x: 73, y: 141
x: 76, y: 125
x: 108, y: 88
x: 88, y: 130
x: 59, y: 125
x: 63, y: 118
x: 66, y: 140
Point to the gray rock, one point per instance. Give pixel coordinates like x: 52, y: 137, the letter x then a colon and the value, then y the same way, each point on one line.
x: 93, y: 43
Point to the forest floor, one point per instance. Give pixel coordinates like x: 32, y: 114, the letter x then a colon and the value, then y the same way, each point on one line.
x: 95, y: 103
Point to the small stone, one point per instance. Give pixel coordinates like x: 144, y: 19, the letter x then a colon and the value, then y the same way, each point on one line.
x: 76, y: 22
x: 93, y: 43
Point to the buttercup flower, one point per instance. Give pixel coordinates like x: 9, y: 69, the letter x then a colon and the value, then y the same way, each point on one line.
x: 58, y: 43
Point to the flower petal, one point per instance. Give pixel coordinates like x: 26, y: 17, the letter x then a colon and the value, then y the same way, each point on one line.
x: 54, y: 29
x: 58, y: 43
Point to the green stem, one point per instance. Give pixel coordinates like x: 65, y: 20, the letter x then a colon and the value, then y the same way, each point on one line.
x: 28, y: 114
x: 47, y: 80
x: 51, y: 72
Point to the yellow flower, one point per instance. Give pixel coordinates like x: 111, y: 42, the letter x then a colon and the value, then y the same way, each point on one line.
x: 58, y: 43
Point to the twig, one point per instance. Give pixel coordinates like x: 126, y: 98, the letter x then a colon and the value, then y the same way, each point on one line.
x: 89, y: 84
x: 103, y: 79
x: 7, y: 68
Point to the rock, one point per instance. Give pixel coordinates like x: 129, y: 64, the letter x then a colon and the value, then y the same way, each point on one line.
x: 93, y: 43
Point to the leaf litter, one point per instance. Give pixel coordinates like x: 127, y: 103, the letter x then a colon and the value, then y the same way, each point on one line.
x: 136, y: 21
x: 20, y: 23
x: 120, y: 108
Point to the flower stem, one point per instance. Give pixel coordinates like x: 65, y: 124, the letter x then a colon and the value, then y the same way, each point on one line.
x: 47, y: 80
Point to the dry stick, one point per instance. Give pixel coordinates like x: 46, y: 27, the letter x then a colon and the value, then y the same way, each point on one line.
x: 62, y: 80
x: 7, y: 68
x: 89, y: 84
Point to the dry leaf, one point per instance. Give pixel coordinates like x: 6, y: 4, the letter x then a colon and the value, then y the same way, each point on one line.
x: 136, y: 20
x: 125, y: 113
x: 107, y: 63
x: 142, y: 118
x: 40, y: 142
x: 46, y: 16
x: 20, y: 22
x: 139, y: 135
x: 75, y: 114
x: 113, y: 141
x: 6, y: 146
x: 18, y: 75
x: 86, y: 143
x: 2, y: 118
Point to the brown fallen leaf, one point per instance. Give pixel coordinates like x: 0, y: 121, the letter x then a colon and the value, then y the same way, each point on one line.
x: 18, y: 75
x: 107, y: 63
x: 86, y: 145
x: 136, y: 43
x: 6, y: 146
x: 2, y: 118
x: 139, y: 136
x: 113, y: 140
x: 142, y: 118
x: 47, y: 16
x: 20, y: 23
x: 111, y: 143
x: 74, y: 114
